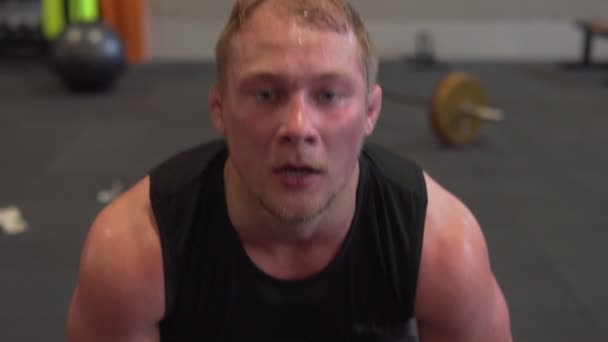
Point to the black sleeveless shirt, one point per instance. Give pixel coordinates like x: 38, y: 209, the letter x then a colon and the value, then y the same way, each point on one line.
x: 214, y: 292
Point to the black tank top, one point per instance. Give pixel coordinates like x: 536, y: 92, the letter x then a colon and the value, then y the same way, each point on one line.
x: 214, y: 292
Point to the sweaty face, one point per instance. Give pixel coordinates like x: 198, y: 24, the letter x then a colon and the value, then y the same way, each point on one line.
x: 294, y: 114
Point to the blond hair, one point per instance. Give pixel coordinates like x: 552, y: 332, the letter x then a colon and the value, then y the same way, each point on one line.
x: 337, y: 15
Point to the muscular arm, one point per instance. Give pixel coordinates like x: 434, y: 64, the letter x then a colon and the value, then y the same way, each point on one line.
x: 119, y: 295
x: 458, y: 298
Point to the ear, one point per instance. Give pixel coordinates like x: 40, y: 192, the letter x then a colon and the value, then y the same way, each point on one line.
x: 374, y: 107
x: 216, y: 108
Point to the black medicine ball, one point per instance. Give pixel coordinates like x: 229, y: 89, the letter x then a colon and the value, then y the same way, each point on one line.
x: 88, y: 57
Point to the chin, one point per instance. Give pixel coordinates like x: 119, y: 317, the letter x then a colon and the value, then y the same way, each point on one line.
x: 298, y: 210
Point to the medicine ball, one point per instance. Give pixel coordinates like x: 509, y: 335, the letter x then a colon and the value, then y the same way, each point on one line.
x: 88, y: 57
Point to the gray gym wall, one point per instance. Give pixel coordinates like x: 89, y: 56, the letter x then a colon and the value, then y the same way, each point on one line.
x: 503, y: 30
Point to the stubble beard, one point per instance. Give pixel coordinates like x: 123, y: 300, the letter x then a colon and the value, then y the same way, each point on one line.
x: 289, y: 216
x: 286, y: 215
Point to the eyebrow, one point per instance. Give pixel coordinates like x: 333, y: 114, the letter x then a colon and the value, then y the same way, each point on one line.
x: 267, y: 76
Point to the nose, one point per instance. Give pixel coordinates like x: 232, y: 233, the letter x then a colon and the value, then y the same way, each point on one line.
x: 297, y: 124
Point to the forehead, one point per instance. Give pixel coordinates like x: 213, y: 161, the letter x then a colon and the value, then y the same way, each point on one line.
x: 271, y: 41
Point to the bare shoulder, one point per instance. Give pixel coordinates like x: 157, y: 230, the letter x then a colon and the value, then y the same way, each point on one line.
x: 458, y: 297
x: 120, y: 289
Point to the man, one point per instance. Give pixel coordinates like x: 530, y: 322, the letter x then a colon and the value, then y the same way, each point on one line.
x: 292, y: 228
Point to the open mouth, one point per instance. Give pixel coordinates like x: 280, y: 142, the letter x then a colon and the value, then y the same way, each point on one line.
x: 297, y: 171
x: 297, y: 177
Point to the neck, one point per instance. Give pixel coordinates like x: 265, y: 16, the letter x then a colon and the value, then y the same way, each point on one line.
x: 259, y: 228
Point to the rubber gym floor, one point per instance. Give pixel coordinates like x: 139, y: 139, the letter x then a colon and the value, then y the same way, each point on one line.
x: 536, y: 182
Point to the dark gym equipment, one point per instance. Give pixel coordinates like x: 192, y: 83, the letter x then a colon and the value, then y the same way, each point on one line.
x: 590, y: 30
x: 20, y: 28
x: 32, y: 25
x: 424, y: 56
x: 425, y: 49
x: 88, y: 57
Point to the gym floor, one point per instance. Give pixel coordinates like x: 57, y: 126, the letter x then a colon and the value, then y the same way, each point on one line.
x: 537, y: 182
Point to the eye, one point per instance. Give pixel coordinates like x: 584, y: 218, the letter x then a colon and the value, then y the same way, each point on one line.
x: 328, y: 96
x: 264, y: 95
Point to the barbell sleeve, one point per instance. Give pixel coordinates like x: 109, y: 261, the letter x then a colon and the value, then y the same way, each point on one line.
x: 484, y: 113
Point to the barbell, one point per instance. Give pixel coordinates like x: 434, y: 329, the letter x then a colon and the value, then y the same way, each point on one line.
x: 457, y: 108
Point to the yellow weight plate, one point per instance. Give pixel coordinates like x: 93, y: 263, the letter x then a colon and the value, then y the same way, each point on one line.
x: 449, y: 121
